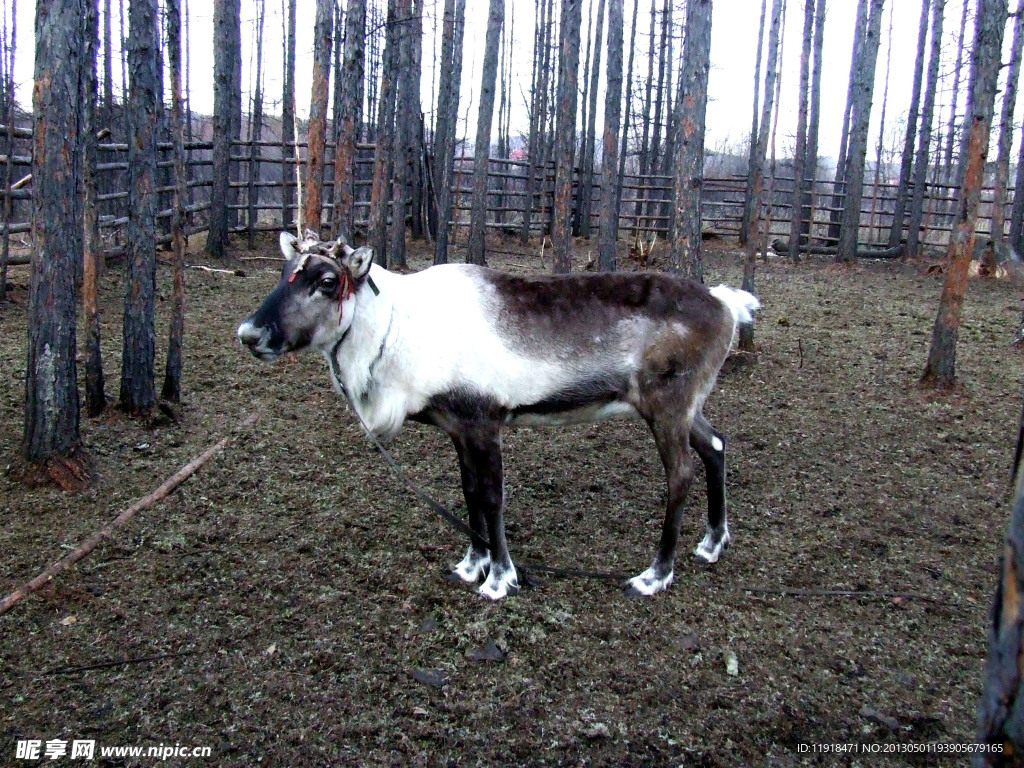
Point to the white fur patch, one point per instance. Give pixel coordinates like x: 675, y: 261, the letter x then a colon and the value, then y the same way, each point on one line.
x: 648, y: 582
x: 717, y: 443
x: 712, y: 545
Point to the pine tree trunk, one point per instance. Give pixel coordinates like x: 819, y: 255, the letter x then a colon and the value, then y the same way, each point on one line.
x: 414, y: 111
x: 495, y: 18
x: 288, y: 149
x: 538, y: 119
x: 406, y: 126
x: 9, y: 112
x: 800, y: 153
x: 51, y: 387
x: 842, y: 159
x: 565, y: 135
x: 645, y: 156
x: 95, y: 396
x: 444, y: 141
x: 924, y: 139
x: 624, y: 142
x: 881, y: 134
x: 746, y: 335
x: 227, y: 54
x: 985, y: 61
x: 586, y: 192
x: 318, y: 114
x: 383, y: 155
x: 811, y: 153
x: 255, y: 130
x: 609, y: 220
x: 348, y: 118
x: 172, y: 375
x: 1006, y: 128
x: 951, y: 128
x: 859, y: 121
x: 999, y: 712
x: 748, y: 194
x: 907, y: 162
x: 138, y: 389
x: 689, y: 155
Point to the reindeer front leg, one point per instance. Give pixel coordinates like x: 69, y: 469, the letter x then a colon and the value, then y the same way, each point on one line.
x: 479, y: 449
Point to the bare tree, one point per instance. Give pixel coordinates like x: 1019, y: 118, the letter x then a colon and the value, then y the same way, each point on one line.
x: 985, y: 60
x: 318, y: 113
x: 255, y: 128
x: 958, y: 66
x: 748, y: 194
x: 907, y: 162
x: 538, y: 113
x: 746, y: 336
x: 447, y: 119
x: 138, y: 389
x: 495, y: 20
x: 925, y: 137
x: 586, y: 191
x: 288, y: 149
x: 92, y: 256
x: 383, y: 154
x: 9, y: 164
x: 609, y: 222
x: 859, y: 121
x: 349, y: 118
x: 406, y: 130
x: 1006, y: 128
x: 51, y: 387
x: 839, y: 183
x: 227, y: 63
x: 172, y: 374
x: 800, y: 153
x: 811, y: 150
x: 689, y: 155
x: 565, y: 134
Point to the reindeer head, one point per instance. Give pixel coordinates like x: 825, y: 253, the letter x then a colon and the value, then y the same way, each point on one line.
x: 313, y: 304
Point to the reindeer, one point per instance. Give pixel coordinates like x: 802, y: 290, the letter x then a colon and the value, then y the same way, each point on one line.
x: 472, y: 351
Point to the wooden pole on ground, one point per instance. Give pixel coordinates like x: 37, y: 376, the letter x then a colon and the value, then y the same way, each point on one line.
x: 87, y: 546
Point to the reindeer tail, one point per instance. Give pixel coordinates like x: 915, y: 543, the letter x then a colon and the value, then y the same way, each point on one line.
x: 741, y: 303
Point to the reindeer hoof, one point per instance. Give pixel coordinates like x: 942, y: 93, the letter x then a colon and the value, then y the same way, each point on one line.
x: 500, y: 584
x: 648, y: 583
x: 712, y: 545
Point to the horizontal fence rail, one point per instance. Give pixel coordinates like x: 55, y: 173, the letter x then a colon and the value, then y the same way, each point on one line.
x: 263, y: 190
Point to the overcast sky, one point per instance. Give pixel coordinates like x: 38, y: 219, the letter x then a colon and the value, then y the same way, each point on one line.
x: 733, y: 51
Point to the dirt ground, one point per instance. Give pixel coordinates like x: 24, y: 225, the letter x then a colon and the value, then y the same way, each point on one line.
x: 287, y: 605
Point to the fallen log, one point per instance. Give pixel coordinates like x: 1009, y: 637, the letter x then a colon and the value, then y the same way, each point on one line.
x: 781, y: 247
x: 90, y: 544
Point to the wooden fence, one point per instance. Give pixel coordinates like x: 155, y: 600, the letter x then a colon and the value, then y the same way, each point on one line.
x: 259, y: 178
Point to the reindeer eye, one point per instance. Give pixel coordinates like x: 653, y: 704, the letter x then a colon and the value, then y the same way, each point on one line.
x: 328, y: 283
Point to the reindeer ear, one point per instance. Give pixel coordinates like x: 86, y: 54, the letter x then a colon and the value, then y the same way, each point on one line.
x: 289, y: 243
x: 358, y: 261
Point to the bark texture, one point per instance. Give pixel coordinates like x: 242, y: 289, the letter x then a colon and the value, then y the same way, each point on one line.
x: 477, y: 223
x: 860, y: 116
x: 609, y: 220
x: 349, y: 118
x: 138, y: 389
x: 51, y: 387
x: 924, y: 139
x: 565, y: 135
x: 940, y: 370
x: 685, y: 237
x: 322, y: 40
x: 227, y: 63
x: 907, y: 158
